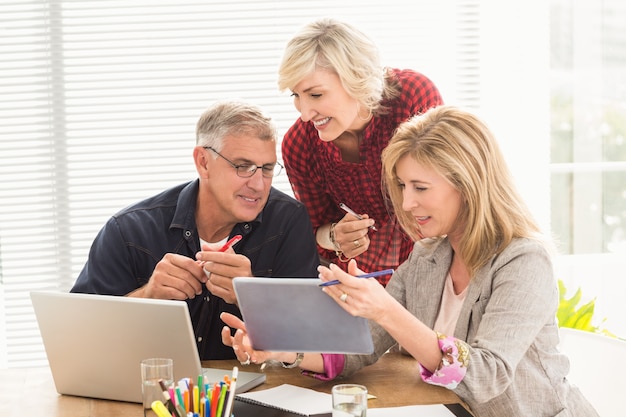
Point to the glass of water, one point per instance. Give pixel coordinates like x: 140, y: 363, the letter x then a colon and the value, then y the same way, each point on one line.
x: 349, y: 400
x: 154, y: 370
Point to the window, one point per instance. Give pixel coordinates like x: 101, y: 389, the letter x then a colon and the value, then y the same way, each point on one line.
x: 588, y: 67
x: 588, y: 150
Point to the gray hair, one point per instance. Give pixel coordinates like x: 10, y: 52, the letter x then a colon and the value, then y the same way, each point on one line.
x: 233, y: 118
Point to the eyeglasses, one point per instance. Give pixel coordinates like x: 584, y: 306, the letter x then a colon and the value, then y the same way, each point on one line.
x: 248, y: 170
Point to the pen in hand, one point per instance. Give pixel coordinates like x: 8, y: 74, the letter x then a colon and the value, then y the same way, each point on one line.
x: 355, y: 214
x: 370, y: 275
x: 232, y: 241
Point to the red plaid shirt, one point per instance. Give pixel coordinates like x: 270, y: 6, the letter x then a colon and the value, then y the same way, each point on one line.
x: 321, y: 179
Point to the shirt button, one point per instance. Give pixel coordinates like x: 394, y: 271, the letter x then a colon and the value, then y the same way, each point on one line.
x: 200, y: 339
x: 246, y: 226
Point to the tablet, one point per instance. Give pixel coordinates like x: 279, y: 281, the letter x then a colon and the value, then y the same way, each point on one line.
x: 294, y: 315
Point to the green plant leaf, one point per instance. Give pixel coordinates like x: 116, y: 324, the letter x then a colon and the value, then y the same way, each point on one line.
x: 584, y: 315
x: 569, y: 314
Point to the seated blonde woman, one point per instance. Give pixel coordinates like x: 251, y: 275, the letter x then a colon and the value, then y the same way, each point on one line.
x: 475, y: 302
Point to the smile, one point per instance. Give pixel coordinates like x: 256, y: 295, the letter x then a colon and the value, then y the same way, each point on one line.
x: 321, y: 122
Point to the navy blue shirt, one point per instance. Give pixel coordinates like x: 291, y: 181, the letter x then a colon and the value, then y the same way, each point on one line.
x: 279, y: 243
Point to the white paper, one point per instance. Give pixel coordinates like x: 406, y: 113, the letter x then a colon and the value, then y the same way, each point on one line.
x: 309, y: 402
x: 292, y: 398
x: 437, y: 410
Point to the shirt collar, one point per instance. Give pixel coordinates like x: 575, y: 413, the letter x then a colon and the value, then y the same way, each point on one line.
x: 185, y: 212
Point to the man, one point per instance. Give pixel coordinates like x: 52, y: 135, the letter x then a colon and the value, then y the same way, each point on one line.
x: 171, y: 246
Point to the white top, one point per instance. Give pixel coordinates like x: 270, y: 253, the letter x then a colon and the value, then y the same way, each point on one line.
x: 450, y: 308
x: 215, y: 245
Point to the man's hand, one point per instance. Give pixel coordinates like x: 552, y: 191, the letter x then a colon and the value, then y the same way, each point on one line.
x: 176, y: 277
x: 221, y: 268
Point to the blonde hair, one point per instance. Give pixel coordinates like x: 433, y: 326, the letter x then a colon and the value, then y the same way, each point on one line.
x: 344, y: 50
x: 460, y: 147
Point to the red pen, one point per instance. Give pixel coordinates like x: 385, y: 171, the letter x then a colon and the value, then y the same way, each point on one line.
x: 230, y: 243
x: 224, y: 248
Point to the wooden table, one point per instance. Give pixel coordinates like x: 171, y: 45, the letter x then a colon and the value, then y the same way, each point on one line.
x: 31, y: 391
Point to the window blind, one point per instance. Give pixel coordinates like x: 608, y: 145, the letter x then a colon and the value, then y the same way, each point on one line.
x: 98, y: 105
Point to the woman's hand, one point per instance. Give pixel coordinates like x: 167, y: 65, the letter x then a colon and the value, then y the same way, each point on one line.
x: 241, y: 343
x: 363, y: 297
x: 351, y: 235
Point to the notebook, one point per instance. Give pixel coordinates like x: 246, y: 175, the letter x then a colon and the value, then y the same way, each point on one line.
x: 284, y: 401
x: 95, y: 343
x: 294, y: 315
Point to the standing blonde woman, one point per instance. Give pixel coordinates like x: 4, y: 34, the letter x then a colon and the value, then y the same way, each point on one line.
x: 349, y: 107
x: 475, y: 303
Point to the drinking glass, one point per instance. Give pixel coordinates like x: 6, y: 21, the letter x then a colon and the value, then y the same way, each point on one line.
x: 154, y: 370
x: 349, y: 400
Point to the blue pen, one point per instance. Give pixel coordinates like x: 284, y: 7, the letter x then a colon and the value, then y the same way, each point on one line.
x: 370, y: 275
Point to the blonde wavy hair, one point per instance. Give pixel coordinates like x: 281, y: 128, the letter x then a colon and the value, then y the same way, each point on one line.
x: 344, y: 50
x: 460, y: 147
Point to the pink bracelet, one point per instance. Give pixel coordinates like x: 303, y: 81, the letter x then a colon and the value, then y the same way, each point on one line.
x: 453, y: 365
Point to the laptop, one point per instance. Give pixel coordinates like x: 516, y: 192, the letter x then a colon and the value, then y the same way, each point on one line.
x: 95, y: 343
x: 294, y: 315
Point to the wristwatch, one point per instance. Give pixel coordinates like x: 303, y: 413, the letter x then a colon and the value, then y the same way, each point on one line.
x: 299, y: 357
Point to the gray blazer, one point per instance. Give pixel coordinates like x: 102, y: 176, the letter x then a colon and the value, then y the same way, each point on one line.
x: 508, y: 320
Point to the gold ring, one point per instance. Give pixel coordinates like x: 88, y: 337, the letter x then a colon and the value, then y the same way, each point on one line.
x: 344, y: 297
x: 357, y: 243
